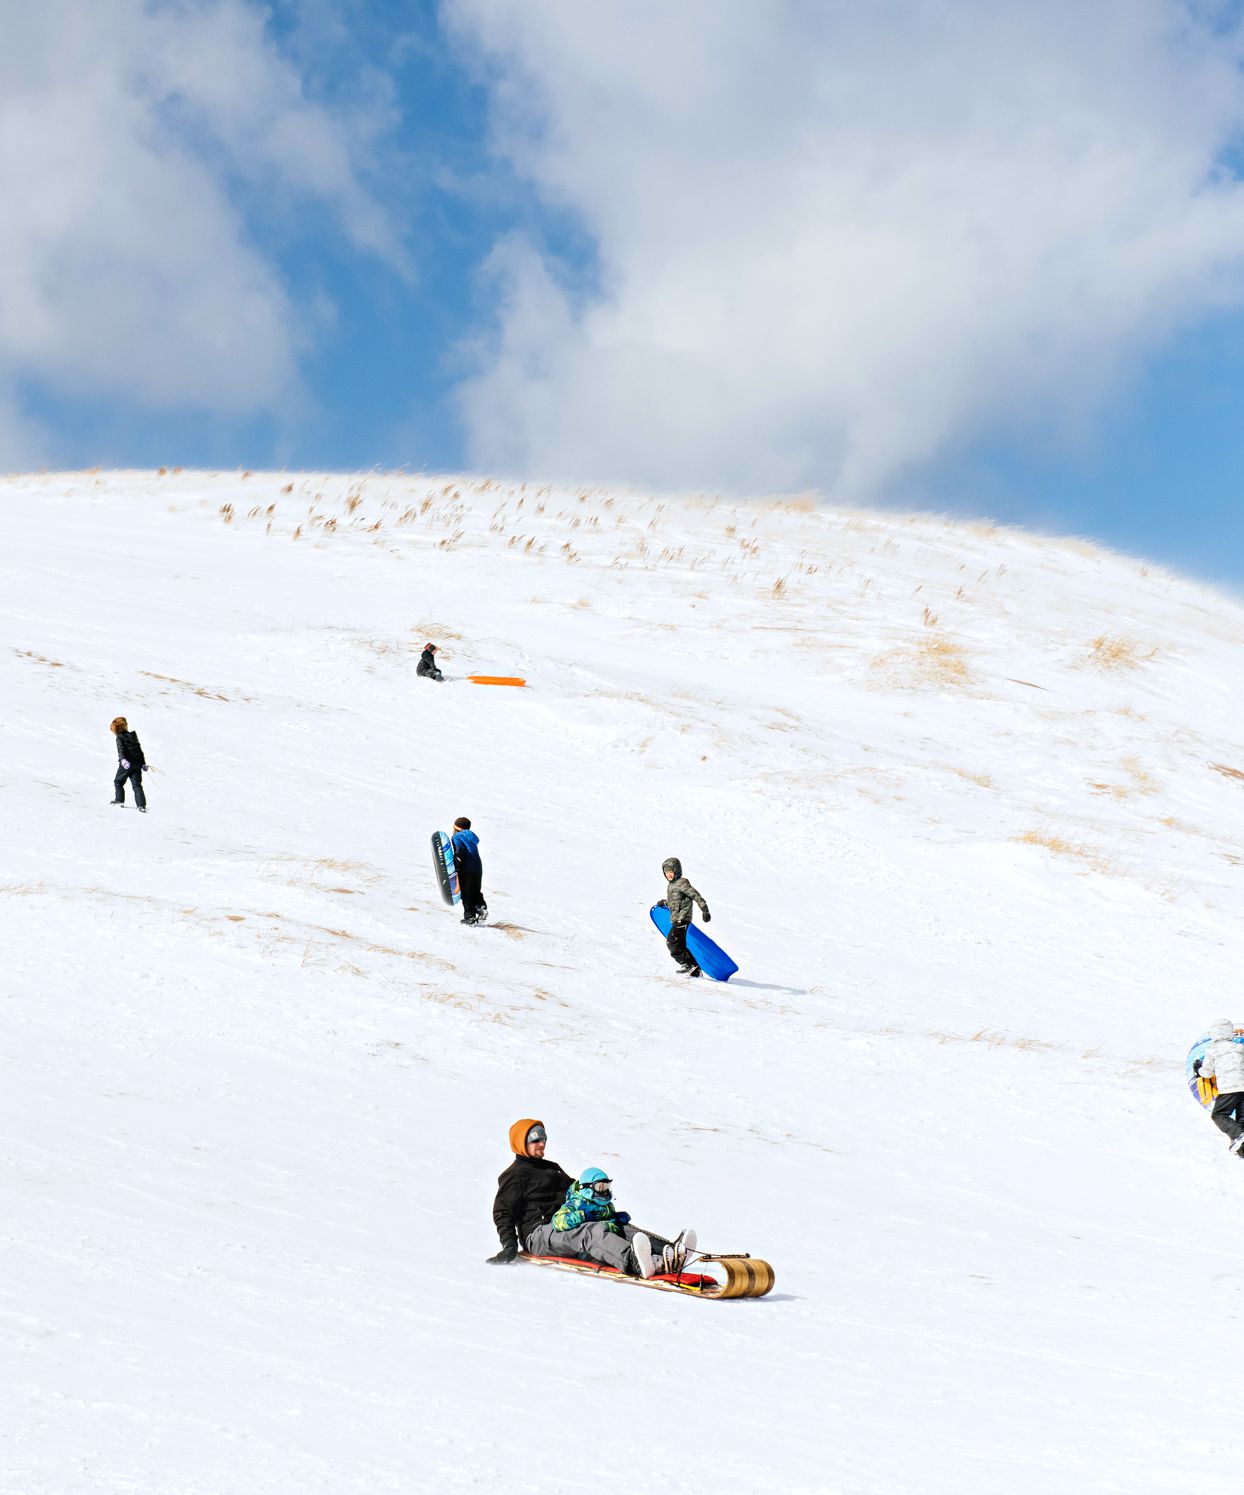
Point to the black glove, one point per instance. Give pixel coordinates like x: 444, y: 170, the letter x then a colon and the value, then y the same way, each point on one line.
x: 708, y: 918
x: 662, y: 904
x: 1196, y: 1066
x: 504, y: 1257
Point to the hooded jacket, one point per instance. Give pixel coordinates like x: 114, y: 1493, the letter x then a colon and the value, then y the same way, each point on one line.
x: 529, y: 1192
x: 680, y: 894
x: 466, y: 851
x: 1224, y: 1059
x: 582, y: 1207
x: 129, y: 749
x: 427, y: 663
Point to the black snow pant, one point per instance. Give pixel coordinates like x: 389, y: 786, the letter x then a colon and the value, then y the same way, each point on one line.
x: 135, y: 775
x: 1227, y: 1113
x: 676, y: 944
x: 469, y: 880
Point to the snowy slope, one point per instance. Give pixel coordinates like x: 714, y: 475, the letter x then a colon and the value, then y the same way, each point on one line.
x: 968, y: 806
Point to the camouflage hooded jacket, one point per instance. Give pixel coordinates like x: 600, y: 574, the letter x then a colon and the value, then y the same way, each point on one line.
x: 680, y: 895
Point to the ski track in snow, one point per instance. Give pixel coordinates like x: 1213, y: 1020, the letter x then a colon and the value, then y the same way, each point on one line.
x: 967, y: 805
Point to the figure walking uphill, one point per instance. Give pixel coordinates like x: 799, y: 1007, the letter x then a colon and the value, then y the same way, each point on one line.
x: 678, y: 899
x: 1223, y: 1062
x: 540, y: 1209
x: 131, y: 763
x: 427, y: 663
x: 470, y: 872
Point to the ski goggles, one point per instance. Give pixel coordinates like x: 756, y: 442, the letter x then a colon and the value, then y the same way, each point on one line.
x: 537, y: 1134
x: 603, y: 1188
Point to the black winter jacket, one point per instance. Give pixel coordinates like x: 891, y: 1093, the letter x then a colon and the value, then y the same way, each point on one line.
x: 529, y: 1193
x: 129, y: 747
x: 427, y: 664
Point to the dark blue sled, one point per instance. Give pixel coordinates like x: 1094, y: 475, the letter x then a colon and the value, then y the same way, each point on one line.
x: 446, y: 872
x: 710, y: 958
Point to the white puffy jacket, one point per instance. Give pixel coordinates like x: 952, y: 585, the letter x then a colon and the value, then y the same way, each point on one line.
x: 1224, y: 1060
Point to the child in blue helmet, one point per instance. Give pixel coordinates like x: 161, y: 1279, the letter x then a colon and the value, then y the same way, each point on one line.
x: 587, y: 1227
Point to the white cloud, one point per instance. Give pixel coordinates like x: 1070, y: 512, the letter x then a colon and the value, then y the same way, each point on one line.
x: 129, y: 129
x: 834, y: 240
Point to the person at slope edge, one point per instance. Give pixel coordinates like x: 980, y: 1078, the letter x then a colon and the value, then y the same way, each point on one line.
x: 427, y: 663
x: 131, y: 763
x: 1223, y: 1062
x: 678, y: 901
x: 542, y: 1210
x: 470, y: 872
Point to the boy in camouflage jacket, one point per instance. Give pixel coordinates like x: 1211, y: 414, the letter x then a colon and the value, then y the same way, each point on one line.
x: 679, y: 899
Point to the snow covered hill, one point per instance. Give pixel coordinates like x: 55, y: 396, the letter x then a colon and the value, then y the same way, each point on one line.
x: 968, y: 806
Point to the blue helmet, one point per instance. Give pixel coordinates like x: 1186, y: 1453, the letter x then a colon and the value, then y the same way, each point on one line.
x: 595, y: 1181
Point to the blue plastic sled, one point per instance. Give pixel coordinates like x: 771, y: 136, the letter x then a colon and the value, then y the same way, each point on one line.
x: 710, y: 958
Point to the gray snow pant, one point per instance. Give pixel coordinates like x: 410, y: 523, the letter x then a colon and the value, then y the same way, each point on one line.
x: 591, y: 1242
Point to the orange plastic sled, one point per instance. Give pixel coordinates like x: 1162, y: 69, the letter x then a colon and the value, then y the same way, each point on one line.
x: 496, y: 680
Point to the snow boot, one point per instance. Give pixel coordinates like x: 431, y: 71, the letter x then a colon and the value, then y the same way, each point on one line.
x: 684, y: 1246
x: 1237, y: 1145
x: 120, y: 802
x: 669, y: 1261
x: 688, y: 970
x: 142, y: 809
x: 641, y: 1250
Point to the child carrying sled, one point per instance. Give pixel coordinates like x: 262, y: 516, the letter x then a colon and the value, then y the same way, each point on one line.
x: 678, y: 900
x: 1224, y: 1062
x: 470, y: 867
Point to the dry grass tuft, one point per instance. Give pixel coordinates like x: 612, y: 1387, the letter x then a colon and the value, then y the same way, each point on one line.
x: 1093, y: 861
x: 1138, y: 782
x: 991, y: 1038
x: 1230, y: 773
x: 52, y: 664
x: 437, y: 631
x: 935, y: 662
x: 1117, y: 653
x: 981, y: 779
x: 198, y: 690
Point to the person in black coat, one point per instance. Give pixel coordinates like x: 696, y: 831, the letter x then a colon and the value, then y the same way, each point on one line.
x: 427, y: 663
x: 530, y: 1191
x: 131, y: 761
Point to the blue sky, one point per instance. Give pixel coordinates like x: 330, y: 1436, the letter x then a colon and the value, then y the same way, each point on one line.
x: 980, y: 259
